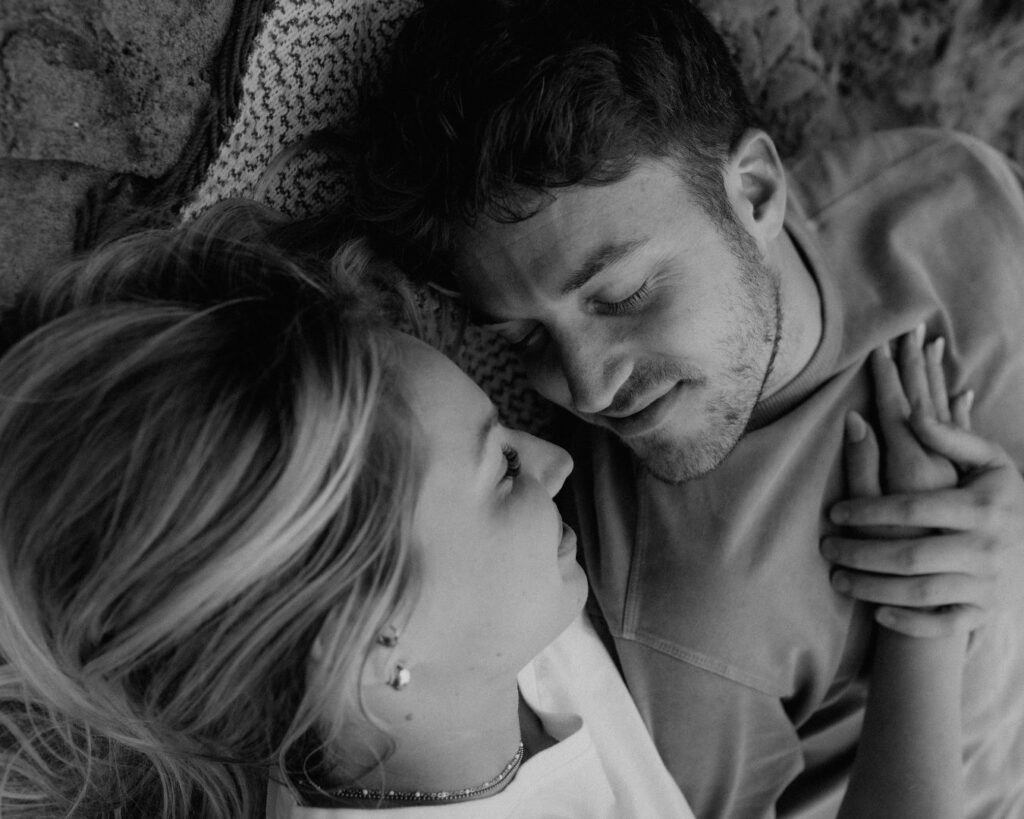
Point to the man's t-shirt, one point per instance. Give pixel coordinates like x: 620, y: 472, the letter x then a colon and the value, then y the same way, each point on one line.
x: 747, y: 667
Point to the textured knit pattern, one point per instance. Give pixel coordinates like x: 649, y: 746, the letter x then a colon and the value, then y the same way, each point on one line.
x: 305, y: 73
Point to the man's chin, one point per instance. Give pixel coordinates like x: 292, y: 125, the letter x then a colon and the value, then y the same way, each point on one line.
x: 677, y: 461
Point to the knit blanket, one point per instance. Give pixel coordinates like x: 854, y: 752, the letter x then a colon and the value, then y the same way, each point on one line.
x: 306, y: 69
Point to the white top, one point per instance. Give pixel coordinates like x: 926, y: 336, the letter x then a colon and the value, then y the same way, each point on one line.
x: 604, y: 765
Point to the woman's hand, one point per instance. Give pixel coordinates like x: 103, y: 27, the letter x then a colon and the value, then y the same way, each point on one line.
x: 909, y: 758
x: 945, y: 548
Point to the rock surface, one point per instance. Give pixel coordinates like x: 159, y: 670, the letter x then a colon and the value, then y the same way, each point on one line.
x: 822, y: 69
x: 90, y: 89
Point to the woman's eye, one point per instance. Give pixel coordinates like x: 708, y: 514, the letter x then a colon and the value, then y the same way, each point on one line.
x: 512, y: 463
x: 631, y: 302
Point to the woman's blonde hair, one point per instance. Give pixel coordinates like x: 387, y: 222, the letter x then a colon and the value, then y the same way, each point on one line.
x: 206, y: 459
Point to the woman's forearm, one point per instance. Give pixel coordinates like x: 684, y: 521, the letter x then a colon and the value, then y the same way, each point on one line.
x: 908, y: 762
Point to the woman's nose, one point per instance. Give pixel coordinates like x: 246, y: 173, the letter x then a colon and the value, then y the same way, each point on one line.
x: 554, y: 464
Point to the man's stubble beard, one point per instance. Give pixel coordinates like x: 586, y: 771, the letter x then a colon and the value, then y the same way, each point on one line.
x: 727, y: 411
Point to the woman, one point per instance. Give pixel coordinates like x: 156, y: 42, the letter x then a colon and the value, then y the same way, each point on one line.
x: 246, y: 529
x: 250, y: 535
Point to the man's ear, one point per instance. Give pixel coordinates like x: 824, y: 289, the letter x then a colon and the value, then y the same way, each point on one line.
x: 756, y: 186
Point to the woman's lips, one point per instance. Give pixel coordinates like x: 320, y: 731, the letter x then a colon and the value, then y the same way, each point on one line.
x: 567, y: 545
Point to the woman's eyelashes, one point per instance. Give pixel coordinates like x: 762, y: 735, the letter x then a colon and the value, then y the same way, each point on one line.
x: 513, y: 466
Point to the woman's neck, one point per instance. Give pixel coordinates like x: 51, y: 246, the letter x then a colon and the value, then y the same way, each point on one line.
x: 446, y: 736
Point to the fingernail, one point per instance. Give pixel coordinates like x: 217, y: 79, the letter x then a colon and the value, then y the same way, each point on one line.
x: 919, y: 334
x: 839, y: 513
x: 885, y: 617
x: 939, y: 348
x: 884, y: 350
x: 969, y: 400
x: 856, y: 428
x: 840, y: 581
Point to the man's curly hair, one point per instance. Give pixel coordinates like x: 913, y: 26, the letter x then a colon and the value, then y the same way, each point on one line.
x: 490, y: 105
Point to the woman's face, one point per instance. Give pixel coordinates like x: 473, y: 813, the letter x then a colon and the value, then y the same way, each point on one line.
x: 498, y: 570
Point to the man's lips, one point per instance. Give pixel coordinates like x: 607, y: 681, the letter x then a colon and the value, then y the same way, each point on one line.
x: 645, y: 419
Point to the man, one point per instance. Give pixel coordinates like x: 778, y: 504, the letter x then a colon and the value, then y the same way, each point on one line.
x: 591, y: 172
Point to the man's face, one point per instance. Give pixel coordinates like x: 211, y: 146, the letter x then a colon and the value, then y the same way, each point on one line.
x: 632, y: 309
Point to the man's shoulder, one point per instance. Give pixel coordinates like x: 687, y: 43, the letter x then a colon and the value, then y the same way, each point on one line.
x: 891, y: 162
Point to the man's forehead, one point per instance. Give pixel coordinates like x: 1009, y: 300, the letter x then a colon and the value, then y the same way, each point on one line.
x: 497, y: 259
x: 566, y: 216
x: 571, y: 234
x: 513, y: 262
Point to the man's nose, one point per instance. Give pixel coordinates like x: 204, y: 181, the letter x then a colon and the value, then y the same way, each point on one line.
x: 585, y: 372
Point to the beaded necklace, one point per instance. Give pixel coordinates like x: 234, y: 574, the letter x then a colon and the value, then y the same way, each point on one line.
x: 458, y: 795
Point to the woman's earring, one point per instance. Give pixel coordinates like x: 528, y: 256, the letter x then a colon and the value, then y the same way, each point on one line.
x: 400, y: 677
x: 389, y: 637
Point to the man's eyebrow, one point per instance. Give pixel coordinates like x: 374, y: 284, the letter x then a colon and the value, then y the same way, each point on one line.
x: 598, y: 260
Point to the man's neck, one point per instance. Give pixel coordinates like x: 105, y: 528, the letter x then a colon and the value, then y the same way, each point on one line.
x: 801, y: 309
